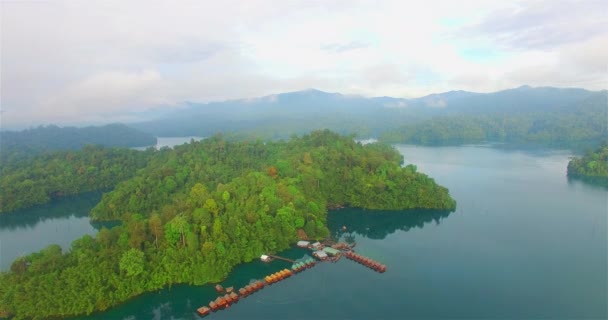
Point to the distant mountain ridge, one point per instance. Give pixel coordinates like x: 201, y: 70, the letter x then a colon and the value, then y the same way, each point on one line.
x: 51, y: 138
x: 283, y: 114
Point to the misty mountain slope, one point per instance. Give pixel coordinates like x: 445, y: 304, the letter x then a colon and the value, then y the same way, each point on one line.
x: 16, y: 144
x: 576, y: 126
x: 298, y: 112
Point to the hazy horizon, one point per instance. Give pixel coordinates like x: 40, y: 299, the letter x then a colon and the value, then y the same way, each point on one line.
x: 72, y: 63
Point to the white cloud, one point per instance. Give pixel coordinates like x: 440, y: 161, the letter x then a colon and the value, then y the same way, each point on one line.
x: 69, y: 60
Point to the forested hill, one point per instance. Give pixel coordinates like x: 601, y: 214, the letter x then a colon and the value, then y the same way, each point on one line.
x: 565, y: 126
x: 196, y: 211
x: 594, y: 164
x: 543, y: 115
x: 52, y: 138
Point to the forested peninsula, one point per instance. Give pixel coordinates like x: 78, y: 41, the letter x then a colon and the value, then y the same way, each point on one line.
x: 194, y: 212
x: 594, y: 164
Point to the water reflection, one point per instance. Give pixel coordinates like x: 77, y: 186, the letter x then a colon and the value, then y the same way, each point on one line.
x: 75, y: 206
x: 598, y: 182
x: 379, y: 224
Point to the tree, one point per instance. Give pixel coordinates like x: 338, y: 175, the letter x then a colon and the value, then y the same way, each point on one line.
x: 132, y: 262
x: 156, y: 227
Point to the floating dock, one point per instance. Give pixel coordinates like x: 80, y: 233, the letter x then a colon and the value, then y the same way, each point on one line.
x: 281, y: 258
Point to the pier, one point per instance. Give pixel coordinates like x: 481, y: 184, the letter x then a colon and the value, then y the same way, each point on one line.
x: 281, y: 258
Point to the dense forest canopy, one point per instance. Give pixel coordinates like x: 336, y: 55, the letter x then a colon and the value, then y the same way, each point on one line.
x: 16, y: 145
x: 41, y: 178
x: 194, y: 212
x: 594, y: 164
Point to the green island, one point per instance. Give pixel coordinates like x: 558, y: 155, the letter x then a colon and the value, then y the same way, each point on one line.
x: 593, y: 165
x: 194, y: 212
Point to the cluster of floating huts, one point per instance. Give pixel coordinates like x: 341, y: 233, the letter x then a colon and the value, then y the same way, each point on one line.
x: 365, y: 261
x: 320, y: 252
x: 223, y: 302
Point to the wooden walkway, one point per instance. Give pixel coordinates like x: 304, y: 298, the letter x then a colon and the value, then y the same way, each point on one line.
x: 281, y: 258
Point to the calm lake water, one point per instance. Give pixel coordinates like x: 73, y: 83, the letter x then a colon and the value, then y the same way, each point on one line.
x: 524, y: 242
x: 170, y: 142
x: 30, y: 230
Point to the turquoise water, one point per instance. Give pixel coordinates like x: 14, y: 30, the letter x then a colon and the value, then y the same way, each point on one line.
x: 524, y: 242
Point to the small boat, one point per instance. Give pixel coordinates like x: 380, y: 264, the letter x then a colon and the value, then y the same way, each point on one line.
x: 203, y: 311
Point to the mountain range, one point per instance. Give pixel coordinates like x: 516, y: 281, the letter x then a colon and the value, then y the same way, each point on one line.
x: 280, y: 115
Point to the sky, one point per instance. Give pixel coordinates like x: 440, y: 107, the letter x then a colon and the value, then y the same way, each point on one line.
x: 69, y: 62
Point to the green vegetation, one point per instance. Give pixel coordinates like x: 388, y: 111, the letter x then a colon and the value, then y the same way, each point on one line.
x: 20, y: 145
x: 568, y: 128
x: 38, y: 180
x: 196, y: 211
x: 549, y: 117
x: 593, y: 165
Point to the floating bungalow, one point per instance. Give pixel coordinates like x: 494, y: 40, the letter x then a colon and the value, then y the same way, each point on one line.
x: 303, y: 244
x: 234, y: 297
x: 320, y: 254
x: 203, y: 311
x: 219, y: 288
x: 317, y: 246
x: 331, y: 251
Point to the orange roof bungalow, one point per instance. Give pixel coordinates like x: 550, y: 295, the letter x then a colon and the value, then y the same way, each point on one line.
x: 258, y: 284
x: 234, y: 296
x: 229, y: 289
x: 213, y: 305
x: 243, y: 292
x: 203, y: 311
x: 219, y: 288
x: 228, y: 298
x: 220, y: 302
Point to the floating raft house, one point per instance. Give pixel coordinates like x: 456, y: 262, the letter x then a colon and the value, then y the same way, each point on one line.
x: 366, y: 261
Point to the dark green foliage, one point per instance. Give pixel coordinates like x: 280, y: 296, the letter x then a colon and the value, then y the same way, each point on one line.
x: 593, y: 164
x: 21, y: 144
x: 195, y: 212
x: 51, y: 175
